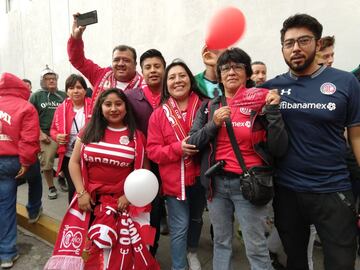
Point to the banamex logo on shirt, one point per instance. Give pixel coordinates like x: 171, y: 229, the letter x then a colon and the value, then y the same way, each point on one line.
x: 328, y: 88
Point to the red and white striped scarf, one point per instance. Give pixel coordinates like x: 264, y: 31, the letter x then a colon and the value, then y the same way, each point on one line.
x: 181, y: 126
x: 109, y: 81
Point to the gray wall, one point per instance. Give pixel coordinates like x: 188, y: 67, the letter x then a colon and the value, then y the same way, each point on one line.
x: 35, y: 33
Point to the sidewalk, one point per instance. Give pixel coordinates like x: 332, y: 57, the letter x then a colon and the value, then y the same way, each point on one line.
x: 54, y: 210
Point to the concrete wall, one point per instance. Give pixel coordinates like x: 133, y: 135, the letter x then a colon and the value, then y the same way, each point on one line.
x: 35, y: 32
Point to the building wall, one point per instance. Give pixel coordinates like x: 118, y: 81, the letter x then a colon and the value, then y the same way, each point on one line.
x: 35, y: 32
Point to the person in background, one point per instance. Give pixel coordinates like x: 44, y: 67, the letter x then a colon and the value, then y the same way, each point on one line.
x: 69, y: 118
x: 312, y: 179
x: 19, y: 145
x: 144, y: 100
x: 28, y: 83
x: 260, y: 136
x: 46, y: 101
x: 207, y: 80
x: 325, y: 56
x: 354, y: 169
x: 259, y: 72
x: 122, y: 74
x: 167, y: 146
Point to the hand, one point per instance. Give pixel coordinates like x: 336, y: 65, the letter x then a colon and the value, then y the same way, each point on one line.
x: 85, y: 202
x: 220, y: 115
x: 273, y: 97
x: 44, y: 138
x: 61, y: 138
x: 188, y: 149
x: 77, y: 31
x: 23, y: 170
x: 123, y: 203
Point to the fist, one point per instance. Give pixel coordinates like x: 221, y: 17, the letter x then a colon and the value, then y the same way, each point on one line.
x: 273, y: 97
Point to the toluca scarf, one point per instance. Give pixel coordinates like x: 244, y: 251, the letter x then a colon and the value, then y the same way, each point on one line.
x: 109, y: 81
x: 181, y: 126
x: 63, y: 120
x: 249, y: 98
x: 115, y: 240
x: 70, y: 241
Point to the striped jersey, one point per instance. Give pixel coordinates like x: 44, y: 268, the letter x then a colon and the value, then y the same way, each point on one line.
x: 109, y: 161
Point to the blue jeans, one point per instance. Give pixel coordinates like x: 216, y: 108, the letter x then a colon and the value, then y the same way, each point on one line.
x: 9, y: 166
x: 227, y: 200
x: 185, y: 223
x: 33, y: 177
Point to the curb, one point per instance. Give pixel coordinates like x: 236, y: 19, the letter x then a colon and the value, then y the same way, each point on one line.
x: 46, y: 228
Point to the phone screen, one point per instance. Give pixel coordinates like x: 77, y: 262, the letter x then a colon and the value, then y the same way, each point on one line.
x: 87, y: 18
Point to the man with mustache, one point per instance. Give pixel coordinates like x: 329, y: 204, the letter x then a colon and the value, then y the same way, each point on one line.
x: 312, y: 179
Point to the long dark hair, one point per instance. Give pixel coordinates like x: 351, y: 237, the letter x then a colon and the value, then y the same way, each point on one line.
x: 95, y: 129
x: 193, y: 84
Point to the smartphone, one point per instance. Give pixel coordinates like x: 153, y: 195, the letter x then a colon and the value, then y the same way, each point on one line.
x: 87, y: 18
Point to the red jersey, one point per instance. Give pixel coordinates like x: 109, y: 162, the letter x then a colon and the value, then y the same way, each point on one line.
x: 240, y: 119
x: 110, y: 161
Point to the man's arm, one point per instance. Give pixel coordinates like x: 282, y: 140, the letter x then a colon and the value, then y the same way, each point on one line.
x: 75, y: 49
x: 354, y: 137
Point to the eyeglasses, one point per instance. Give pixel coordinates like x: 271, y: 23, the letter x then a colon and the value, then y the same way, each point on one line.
x: 301, y: 41
x: 50, y: 78
x: 237, y: 67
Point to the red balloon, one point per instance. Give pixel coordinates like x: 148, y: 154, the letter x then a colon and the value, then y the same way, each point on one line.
x: 226, y: 28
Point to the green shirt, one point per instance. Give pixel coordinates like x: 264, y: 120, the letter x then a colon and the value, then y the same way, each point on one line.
x: 46, y: 103
x: 209, y: 88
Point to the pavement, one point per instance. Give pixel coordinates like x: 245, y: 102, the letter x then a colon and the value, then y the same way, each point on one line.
x: 35, y: 242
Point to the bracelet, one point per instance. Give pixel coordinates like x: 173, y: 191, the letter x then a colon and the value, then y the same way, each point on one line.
x: 80, y: 194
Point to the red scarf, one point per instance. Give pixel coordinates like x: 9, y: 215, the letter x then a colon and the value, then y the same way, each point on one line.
x: 109, y: 81
x: 181, y: 127
x: 152, y: 97
x: 65, y: 119
x: 249, y: 99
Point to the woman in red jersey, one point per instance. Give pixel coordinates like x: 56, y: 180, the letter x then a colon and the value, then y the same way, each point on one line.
x: 116, y: 234
x: 260, y: 134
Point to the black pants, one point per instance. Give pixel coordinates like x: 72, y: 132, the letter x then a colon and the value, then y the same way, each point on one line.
x: 65, y: 169
x: 334, y: 221
x: 155, y: 218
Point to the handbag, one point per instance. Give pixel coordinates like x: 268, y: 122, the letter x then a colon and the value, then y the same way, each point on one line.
x: 256, y: 183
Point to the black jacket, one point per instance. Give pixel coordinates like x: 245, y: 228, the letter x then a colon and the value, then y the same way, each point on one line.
x: 204, y: 132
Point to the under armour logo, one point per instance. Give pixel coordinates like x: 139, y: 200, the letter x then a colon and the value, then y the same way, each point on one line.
x: 283, y: 92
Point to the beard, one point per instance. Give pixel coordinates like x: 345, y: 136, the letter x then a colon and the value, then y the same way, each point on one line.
x: 299, y: 68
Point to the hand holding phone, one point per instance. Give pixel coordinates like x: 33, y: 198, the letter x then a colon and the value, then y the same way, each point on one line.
x: 87, y: 18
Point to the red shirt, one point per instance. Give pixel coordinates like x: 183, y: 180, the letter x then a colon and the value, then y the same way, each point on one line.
x: 110, y: 161
x: 240, y: 119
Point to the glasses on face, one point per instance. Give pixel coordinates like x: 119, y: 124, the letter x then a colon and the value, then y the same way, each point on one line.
x: 237, y: 67
x: 50, y: 78
x: 301, y: 41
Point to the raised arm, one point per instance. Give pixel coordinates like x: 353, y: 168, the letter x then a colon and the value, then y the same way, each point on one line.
x: 75, y: 49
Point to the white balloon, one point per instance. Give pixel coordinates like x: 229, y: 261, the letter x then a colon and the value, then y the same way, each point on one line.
x: 141, y: 187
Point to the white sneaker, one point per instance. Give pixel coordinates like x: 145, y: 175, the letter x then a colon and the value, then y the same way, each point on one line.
x: 7, y: 264
x: 193, y: 261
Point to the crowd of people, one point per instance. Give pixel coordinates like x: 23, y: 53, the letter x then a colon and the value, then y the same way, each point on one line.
x: 190, y: 131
